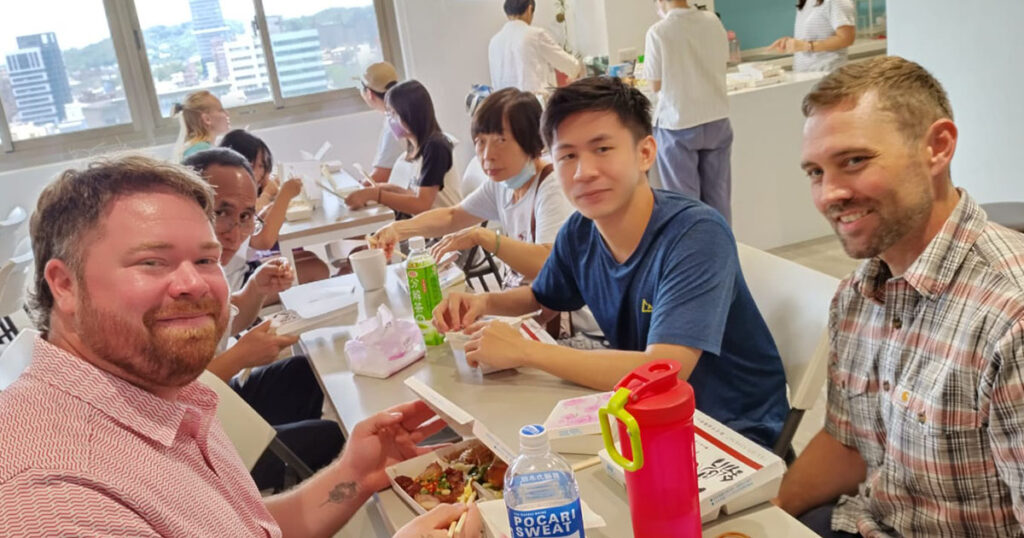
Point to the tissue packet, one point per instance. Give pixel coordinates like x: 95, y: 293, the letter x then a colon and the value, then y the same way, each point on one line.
x: 383, y: 345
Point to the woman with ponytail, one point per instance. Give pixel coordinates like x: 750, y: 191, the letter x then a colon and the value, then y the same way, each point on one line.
x: 201, y: 119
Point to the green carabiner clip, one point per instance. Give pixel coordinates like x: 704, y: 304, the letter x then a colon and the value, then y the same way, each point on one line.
x: 617, y: 408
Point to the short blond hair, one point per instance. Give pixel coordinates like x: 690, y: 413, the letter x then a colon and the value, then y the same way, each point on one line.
x: 73, y: 204
x: 192, y: 110
x: 904, y: 89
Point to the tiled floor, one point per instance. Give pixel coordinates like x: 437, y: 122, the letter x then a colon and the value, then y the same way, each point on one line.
x: 824, y: 254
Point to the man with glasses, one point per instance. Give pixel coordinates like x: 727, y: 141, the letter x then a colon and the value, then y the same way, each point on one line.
x: 286, y: 392
x: 376, y: 81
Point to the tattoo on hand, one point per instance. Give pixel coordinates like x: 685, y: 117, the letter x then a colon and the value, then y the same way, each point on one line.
x: 341, y: 493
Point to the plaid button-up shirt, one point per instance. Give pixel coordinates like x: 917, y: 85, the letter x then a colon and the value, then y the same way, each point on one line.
x: 926, y: 380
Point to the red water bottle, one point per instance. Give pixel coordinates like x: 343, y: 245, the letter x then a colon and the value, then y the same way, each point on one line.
x: 655, y: 413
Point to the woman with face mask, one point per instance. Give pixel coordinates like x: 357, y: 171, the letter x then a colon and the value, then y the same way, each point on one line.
x: 201, y: 119
x: 823, y: 31
x: 410, y: 115
x: 521, y: 194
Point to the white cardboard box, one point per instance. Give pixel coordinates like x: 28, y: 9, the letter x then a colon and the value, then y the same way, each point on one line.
x: 415, y: 466
x: 573, y: 427
x: 733, y: 472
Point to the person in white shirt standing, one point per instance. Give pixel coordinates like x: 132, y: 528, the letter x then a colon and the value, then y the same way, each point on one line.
x: 525, y: 57
x: 823, y: 31
x: 376, y: 81
x: 685, y: 60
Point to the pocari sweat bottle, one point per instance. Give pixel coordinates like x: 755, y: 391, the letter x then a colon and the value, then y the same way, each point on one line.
x: 540, y: 490
x: 424, y: 289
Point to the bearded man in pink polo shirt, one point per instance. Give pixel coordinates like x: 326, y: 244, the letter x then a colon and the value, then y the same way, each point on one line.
x: 107, y: 432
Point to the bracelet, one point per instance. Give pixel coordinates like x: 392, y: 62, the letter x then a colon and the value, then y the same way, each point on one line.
x: 497, y: 241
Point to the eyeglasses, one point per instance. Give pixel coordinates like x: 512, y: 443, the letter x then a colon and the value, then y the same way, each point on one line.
x: 248, y: 223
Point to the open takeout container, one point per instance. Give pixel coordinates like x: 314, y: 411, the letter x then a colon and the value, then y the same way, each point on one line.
x: 443, y: 457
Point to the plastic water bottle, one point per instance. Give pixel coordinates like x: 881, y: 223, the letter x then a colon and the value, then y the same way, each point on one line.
x: 424, y: 289
x: 540, y: 490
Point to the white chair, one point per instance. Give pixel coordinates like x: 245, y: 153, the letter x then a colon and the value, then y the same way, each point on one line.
x: 250, y: 434
x: 13, y: 276
x: 245, y: 427
x: 9, y: 231
x: 16, y: 357
x: 794, y: 301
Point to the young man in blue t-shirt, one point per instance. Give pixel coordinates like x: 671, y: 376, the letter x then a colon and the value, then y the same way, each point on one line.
x: 658, y: 270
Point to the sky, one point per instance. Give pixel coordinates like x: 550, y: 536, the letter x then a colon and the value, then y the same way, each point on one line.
x: 83, y: 22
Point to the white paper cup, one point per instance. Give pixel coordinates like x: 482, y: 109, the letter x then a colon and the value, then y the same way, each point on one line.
x: 370, y: 268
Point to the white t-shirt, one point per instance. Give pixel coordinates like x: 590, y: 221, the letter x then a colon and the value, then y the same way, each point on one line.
x: 493, y: 202
x: 236, y: 267
x: 389, y: 148
x: 814, y: 23
x: 523, y: 56
x: 688, y: 51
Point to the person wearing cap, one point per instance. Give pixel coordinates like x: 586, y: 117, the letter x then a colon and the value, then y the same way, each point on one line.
x: 523, y: 56
x: 376, y: 80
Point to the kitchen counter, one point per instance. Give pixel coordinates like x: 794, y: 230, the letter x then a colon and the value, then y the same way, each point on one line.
x: 862, y: 47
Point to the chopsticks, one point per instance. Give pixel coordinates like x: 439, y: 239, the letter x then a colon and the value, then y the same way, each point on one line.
x: 456, y: 526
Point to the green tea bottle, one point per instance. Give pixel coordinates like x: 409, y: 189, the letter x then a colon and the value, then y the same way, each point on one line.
x: 424, y: 289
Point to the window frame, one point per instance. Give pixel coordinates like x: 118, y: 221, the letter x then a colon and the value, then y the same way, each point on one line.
x: 149, y: 128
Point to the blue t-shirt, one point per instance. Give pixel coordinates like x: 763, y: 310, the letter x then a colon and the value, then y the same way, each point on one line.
x: 682, y: 286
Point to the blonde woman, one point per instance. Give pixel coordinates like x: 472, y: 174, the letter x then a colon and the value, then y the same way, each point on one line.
x: 202, y: 119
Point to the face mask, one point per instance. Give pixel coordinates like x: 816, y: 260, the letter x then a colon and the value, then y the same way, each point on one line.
x: 397, y: 128
x: 520, y: 179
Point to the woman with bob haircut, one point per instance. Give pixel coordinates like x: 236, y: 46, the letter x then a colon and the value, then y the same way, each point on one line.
x: 520, y: 194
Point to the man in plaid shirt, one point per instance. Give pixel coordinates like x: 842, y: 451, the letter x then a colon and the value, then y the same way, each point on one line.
x: 925, y: 428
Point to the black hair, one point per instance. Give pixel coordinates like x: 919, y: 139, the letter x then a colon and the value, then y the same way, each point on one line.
x: 250, y: 146
x: 201, y: 160
x: 380, y: 95
x: 801, y: 3
x: 598, y: 94
x: 523, y: 113
x: 518, y: 7
x: 411, y: 102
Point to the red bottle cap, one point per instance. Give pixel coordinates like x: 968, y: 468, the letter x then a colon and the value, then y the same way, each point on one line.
x: 657, y: 395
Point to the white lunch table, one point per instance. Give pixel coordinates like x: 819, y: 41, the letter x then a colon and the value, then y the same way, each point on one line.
x: 332, y: 220
x: 503, y: 402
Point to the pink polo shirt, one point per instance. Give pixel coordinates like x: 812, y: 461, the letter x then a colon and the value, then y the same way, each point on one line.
x: 85, y: 453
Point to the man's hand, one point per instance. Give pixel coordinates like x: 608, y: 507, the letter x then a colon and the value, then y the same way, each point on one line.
x: 274, y: 276
x: 260, y: 346
x: 358, y: 199
x: 458, y: 311
x: 496, y: 344
x: 387, y: 438
x: 385, y: 238
x: 460, y: 240
x: 435, y: 523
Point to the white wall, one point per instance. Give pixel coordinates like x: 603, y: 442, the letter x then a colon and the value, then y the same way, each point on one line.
x: 444, y: 46
x: 973, y: 49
